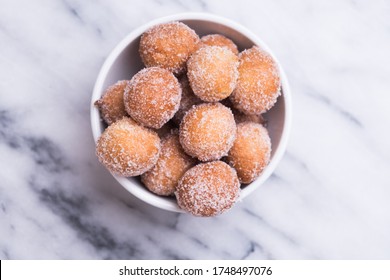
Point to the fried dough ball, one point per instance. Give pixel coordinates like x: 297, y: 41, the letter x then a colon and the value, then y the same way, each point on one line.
x: 258, y: 85
x: 207, y: 131
x: 168, y: 45
x: 251, y: 151
x: 188, y: 99
x: 111, y: 104
x: 173, y: 162
x: 208, y: 189
x: 219, y: 41
x: 212, y: 72
x: 152, y: 97
x: 128, y: 149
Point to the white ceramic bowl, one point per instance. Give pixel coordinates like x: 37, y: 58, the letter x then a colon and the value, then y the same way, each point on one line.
x: 124, y: 61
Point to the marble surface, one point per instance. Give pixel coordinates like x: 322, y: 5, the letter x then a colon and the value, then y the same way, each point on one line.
x: 329, y: 198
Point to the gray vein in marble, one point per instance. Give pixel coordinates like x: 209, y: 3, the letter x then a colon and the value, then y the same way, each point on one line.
x: 199, y: 242
x: 301, y: 164
x: 280, y: 233
x: 73, y: 10
x: 47, y: 154
x: 335, y: 107
x: 168, y: 253
x: 272, y: 228
x: 5, y: 254
x: 72, y: 209
x: 298, y: 161
x: 43, y: 151
x: 6, y: 135
x: 253, y: 246
x: 170, y: 226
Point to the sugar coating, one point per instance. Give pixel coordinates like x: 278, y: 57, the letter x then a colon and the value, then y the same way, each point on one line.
x: 152, y: 97
x: 208, y: 131
x: 213, y: 73
x: 219, y: 41
x: 188, y: 99
x: 171, y: 165
x: 251, y: 151
x: 111, y: 104
x: 169, y: 46
x: 128, y: 149
x: 258, y: 85
x: 208, y: 189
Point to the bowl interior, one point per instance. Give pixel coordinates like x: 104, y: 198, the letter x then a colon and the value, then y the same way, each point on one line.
x: 128, y: 62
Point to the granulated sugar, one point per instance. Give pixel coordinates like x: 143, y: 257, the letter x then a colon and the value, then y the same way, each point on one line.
x: 173, y: 162
x: 220, y: 41
x: 212, y: 72
x: 111, y: 105
x: 258, y: 85
x: 251, y: 151
x: 208, y: 131
x: 152, y: 97
x: 208, y: 189
x: 128, y: 149
x: 168, y: 46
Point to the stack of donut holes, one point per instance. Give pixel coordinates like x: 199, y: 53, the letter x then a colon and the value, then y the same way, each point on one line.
x: 190, y: 122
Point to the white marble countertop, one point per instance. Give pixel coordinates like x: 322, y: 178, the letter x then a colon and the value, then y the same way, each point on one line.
x: 329, y: 198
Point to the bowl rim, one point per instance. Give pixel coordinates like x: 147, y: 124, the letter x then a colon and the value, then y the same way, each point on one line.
x: 145, y: 195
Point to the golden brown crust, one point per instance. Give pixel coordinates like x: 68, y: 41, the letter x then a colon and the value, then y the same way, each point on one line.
x: 128, y: 149
x: 111, y: 104
x: 258, y: 85
x: 212, y: 72
x: 251, y: 151
x: 169, y: 46
x: 219, y: 41
x: 207, y: 131
x: 152, y: 97
x: 208, y: 189
x: 171, y: 165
